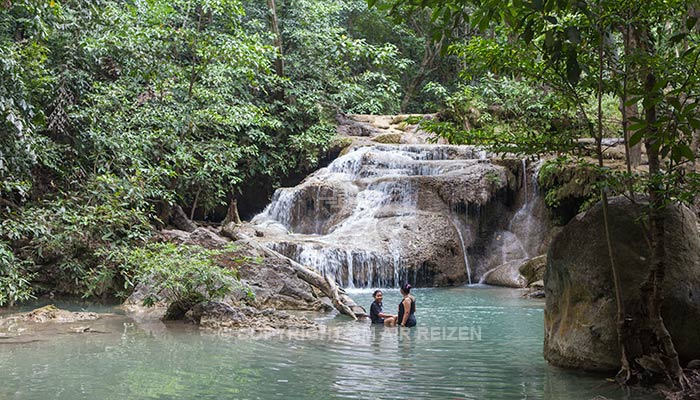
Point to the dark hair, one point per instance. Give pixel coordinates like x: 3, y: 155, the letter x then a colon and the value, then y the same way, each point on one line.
x: 406, y: 288
x: 375, y: 293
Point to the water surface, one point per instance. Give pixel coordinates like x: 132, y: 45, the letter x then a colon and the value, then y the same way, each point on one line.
x: 485, y: 343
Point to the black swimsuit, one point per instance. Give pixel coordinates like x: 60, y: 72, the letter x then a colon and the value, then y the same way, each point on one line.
x: 374, y: 312
x: 411, y: 317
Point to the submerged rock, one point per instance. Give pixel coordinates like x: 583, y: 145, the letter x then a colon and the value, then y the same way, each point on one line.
x: 222, y: 316
x: 51, y: 313
x: 580, y: 325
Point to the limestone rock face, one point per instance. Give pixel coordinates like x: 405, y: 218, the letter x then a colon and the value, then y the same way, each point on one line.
x: 385, y: 214
x: 580, y: 327
x: 201, y: 236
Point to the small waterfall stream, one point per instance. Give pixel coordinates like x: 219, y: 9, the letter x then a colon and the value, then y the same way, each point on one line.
x: 522, y: 237
x: 464, y: 251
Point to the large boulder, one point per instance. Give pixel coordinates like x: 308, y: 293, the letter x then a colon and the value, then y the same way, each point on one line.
x: 517, y: 273
x: 507, y: 275
x: 275, y: 285
x: 533, y: 269
x: 580, y: 326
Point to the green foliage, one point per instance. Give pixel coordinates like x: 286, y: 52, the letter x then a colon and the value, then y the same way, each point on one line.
x: 72, y: 232
x: 184, y: 274
x: 112, y: 112
x: 508, y: 116
x: 14, y: 280
x: 573, y: 184
x: 564, y: 178
x: 328, y: 67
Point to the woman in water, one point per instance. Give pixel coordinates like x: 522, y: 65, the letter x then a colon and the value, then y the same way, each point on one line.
x: 376, y: 314
x: 407, y: 307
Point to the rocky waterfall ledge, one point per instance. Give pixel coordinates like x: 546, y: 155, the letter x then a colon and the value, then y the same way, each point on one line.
x: 430, y: 214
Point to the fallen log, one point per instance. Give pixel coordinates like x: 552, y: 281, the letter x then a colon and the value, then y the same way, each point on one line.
x: 343, y: 303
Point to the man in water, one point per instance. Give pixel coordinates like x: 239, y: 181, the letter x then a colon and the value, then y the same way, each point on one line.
x: 376, y: 314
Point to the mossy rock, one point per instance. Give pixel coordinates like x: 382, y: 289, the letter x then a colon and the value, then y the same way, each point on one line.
x: 388, y: 138
x: 340, y: 145
x: 399, y: 119
x: 533, y: 269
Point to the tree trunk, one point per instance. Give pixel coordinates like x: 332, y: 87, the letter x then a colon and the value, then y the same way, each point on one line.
x: 343, y: 303
x: 628, y: 113
x: 179, y: 219
x: 274, y: 25
x: 646, y: 341
x: 427, y: 65
x: 653, y: 357
x: 634, y: 153
x: 232, y: 213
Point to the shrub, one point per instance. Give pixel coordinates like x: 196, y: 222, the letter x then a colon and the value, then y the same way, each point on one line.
x: 14, y: 282
x: 180, y: 275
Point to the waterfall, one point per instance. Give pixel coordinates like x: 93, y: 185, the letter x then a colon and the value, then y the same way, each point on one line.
x: 351, y: 282
x: 464, y: 251
x: 523, y: 165
x: 523, y: 236
x: 382, y: 214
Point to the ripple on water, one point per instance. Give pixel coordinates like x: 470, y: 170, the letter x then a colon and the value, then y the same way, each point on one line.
x: 344, y: 360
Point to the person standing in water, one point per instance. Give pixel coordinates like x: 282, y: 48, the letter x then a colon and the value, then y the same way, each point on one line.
x: 376, y: 314
x: 407, y: 307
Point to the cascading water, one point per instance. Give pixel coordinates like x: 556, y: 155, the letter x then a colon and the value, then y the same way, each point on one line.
x: 464, y: 252
x: 522, y: 237
x: 523, y: 165
x: 382, y: 214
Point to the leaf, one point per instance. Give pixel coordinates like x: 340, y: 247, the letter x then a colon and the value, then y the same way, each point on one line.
x: 686, y: 152
x: 549, y: 40
x: 683, y: 151
x: 675, y: 102
x: 573, y: 69
x: 632, y: 101
x: 677, y: 38
x: 528, y: 33
x: 636, y: 138
x: 690, y: 23
x: 694, y: 122
x: 689, y: 51
x: 551, y: 19
x: 573, y: 34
